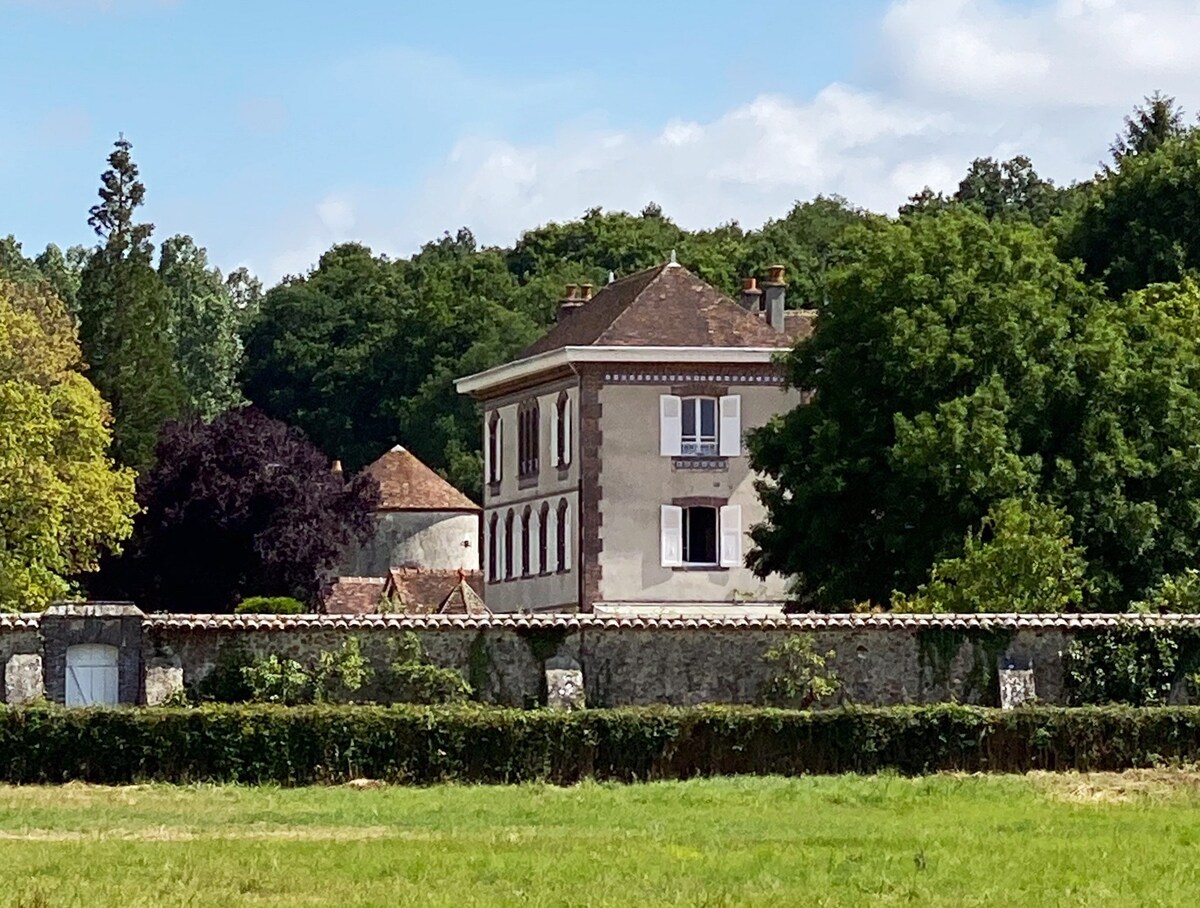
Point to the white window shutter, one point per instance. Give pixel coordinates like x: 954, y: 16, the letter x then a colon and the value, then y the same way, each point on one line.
x: 671, y: 521
x: 555, y: 428
x: 731, y: 536
x: 731, y: 425
x: 487, y: 450
x: 670, y: 425
x: 499, y: 450
x: 500, y: 574
x: 551, y: 564
x: 566, y: 431
x: 567, y: 538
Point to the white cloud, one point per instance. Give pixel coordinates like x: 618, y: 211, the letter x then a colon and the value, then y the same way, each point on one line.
x: 1069, y: 53
x: 960, y: 80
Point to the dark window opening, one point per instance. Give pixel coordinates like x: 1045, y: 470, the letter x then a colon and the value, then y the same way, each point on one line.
x: 699, y: 535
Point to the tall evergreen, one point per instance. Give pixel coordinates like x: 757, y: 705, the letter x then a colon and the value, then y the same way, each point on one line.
x: 124, y: 317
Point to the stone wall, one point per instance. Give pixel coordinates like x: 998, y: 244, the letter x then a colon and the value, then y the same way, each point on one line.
x: 880, y: 659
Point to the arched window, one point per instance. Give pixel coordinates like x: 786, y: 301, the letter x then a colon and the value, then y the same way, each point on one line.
x: 562, y: 433
x: 544, y: 539
x: 508, y: 545
x: 493, y: 548
x: 564, y: 537
x: 526, y: 564
x: 495, y: 450
x: 528, y: 439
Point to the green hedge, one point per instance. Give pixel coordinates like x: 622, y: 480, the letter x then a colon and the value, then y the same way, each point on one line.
x: 300, y: 745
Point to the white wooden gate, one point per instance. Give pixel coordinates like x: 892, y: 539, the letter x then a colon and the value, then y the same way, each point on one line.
x: 91, y: 675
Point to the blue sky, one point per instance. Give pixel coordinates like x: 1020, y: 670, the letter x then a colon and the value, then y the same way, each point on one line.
x: 269, y: 129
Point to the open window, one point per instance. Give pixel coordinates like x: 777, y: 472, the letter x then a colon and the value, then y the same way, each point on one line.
x: 701, y: 536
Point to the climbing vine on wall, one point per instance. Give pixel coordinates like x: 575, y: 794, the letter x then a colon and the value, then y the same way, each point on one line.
x: 937, y: 648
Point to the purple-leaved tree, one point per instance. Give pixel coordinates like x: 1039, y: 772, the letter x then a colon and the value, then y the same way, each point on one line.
x: 242, y: 505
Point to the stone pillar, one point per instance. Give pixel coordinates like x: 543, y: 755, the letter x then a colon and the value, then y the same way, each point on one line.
x: 116, y: 624
x: 564, y: 684
x: 23, y: 679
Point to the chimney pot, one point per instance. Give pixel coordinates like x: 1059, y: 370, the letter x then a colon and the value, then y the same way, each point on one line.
x: 585, y: 292
x: 775, y: 298
x: 572, y: 292
x: 751, y: 295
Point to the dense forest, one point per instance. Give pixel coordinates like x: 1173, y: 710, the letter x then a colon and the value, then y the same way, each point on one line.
x: 1015, y: 360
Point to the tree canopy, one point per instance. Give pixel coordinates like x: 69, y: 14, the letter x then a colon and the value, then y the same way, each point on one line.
x: 124, y: 317
x: 959, y: 363
x: 62, y: 501
x: 240, y: 506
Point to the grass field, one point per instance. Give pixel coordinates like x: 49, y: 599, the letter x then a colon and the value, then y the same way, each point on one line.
x: 1112, y: 840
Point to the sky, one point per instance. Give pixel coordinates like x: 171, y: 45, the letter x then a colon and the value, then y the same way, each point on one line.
x: 271, y: 129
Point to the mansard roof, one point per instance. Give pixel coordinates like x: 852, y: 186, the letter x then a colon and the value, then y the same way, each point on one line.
x: 664, y: 306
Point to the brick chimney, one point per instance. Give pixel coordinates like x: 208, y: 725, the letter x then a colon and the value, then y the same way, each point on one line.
x: 774, y: 297
x: 751, y: 295
x: 570, y: 301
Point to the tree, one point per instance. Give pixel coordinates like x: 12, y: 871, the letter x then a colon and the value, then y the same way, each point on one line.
x: 62, y: 500
x: 958, y: 364
x: 809, y: 243
x: 63, y: 272
x: 242, y: 505
x: 204, y: 327
x: 362, y: 352
x: 1021, y: 559
x: 124, y: 317
x: 1138, y: 225
x: 1151, y: 125
x: 14, y: 265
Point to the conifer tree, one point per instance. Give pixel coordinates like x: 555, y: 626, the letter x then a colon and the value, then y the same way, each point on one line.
x: 124, y: 317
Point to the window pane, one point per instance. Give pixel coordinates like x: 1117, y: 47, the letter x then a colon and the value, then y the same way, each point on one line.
x: 689, y: 419
x: 708, y: 419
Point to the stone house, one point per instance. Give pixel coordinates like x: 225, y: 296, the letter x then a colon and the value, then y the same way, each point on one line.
x: 616, y: 471
x: 425, y: 544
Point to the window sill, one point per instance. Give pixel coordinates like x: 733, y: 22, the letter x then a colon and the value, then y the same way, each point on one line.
x: 700, y: 568
x: 493, y: 487
x: 529, y: 481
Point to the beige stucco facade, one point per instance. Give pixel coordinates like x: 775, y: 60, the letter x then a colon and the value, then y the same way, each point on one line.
x: 532, y: 589
x: 636, y: 480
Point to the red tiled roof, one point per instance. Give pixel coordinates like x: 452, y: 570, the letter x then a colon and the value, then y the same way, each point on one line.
x: 417, y: 591
x: 406, y: 484
x: 664, y: 306
x: 354, y: 596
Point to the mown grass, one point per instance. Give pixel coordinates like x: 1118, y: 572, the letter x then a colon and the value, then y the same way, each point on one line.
x: 942, y: 840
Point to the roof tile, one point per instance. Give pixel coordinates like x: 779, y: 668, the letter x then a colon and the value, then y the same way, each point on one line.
x: 406, y: 484
x: 666, y: 306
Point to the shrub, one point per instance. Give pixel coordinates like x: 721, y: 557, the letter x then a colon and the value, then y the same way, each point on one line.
x: 275, y: 680
x: 270, y: 605
x: 306, y: 744
x: 334, y: 676
x: 799, y: 677
x: 1134, y: 665
x: 413, y: 679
